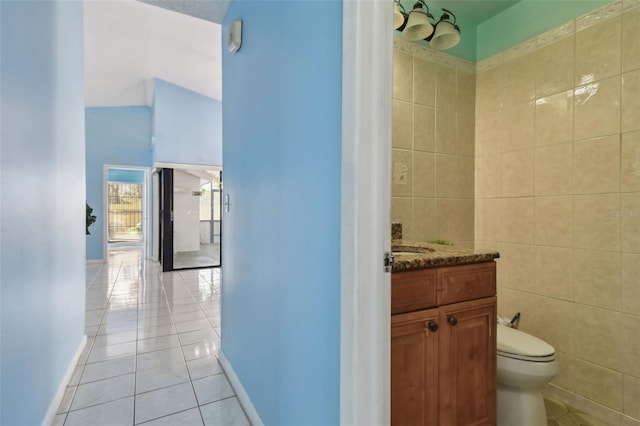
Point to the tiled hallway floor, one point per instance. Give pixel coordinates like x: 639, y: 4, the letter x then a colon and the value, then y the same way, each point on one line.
x: 151, y: 354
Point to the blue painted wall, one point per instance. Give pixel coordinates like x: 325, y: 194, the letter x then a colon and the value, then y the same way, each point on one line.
x: 42, y: 175
x: 187, y: 126
x: 125, y: 176
x: 118, y: 136
x: 282, y: 157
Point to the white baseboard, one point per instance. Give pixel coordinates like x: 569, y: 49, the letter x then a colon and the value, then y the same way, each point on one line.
x: 95, y: 261
x: 57, y: 399
x: 243, y: 397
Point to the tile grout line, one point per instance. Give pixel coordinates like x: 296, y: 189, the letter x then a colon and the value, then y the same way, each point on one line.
x: 193, y: 388
x: 235, y: 394
x: 84, y: 362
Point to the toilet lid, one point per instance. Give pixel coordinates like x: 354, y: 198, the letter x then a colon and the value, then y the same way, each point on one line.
x: 518, y: 342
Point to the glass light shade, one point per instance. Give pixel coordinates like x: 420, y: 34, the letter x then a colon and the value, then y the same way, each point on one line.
x: 418, y: 26
x: 446, y: 36
x: 398, y: 17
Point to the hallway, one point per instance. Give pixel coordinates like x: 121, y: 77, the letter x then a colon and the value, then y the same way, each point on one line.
x: 151, y: 354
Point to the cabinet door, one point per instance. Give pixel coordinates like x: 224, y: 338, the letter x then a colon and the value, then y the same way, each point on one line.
x: 413, y: 368
x: 467, y: 357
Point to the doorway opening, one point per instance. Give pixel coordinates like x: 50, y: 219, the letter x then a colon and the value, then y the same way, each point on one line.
x: 125, y: 205
x: 190, y: 218
x: 125, y: 212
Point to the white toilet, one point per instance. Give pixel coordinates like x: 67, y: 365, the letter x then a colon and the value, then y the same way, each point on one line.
x: 525, y: 365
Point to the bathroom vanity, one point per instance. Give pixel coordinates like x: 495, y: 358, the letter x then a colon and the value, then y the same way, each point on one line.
x: 443, y: 335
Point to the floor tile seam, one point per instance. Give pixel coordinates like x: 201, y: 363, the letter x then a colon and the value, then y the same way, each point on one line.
x: 149, y: 314
x: 166, y: 415
x: 70, y: 402
x: 163, y: 291
x: 164, y: 387
x: 156, y: 350
x: 103, y: 379
x: 218, y: 400
x: 175, y: 363
x: 119, y: 343
x: 193, y: 389
x: 96, y: 275
x: 183, y: 321
x: 65, y: 417
x: 83, y: 365
x: 112, y: 322
x: 135, y: 361
x: 112, y: 358
x: 230, y: 397
x: 160, y: 335
x: 156, y: 316
x: 170, y: 414
x: 96, y: 334
x: 106, y: 378
x: 116, y: 331
x: 211, y: 375
x: 215, y: 400
x: 102, y: 403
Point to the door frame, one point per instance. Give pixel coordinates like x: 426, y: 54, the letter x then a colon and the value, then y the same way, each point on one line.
x: 146, y: 207
x: 160, y: 247
x: 365, y: 325
x: 166, y: 219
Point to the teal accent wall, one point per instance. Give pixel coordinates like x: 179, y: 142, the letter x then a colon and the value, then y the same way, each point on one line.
x: 42, y: 208
x: 521, y: 21
x: 527, y: 19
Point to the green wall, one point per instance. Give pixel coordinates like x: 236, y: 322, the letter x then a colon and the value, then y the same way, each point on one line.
x: 525, y: 20
x: 514, y: 25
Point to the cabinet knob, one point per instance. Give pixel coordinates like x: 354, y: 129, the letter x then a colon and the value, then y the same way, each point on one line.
x: 432, y: 326
x: 452, y: 320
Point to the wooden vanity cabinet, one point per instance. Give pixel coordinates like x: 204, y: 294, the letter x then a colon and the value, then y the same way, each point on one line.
x: 467, y: 363
x: 443, y: 356
x: 414, y: 373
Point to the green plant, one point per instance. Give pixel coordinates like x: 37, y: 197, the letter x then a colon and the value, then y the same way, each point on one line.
x: 441, y: 242
x: 90, y: 218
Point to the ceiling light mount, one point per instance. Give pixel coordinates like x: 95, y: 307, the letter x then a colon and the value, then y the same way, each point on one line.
x: 418, y: 25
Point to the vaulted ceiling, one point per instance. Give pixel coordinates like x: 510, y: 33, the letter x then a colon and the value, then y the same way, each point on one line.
x: 128, y: 43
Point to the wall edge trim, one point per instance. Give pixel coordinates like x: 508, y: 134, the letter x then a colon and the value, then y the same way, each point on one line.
x: 50, y: 416
x: 241, y: 393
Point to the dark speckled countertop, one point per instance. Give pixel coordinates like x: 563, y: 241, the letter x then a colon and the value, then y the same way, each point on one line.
x: 411, y: 255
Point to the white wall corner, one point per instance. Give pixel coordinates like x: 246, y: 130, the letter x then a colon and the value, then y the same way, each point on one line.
x: 50, y: 416
x: 366, y: 197
x: 241, y: 393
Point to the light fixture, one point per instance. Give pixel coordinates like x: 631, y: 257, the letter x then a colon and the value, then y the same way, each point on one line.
x: 447, y: 33
x: 399, y: 16
x: 418, y: 25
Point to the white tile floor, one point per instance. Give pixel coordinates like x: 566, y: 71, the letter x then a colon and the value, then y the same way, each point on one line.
x: 151, y: 355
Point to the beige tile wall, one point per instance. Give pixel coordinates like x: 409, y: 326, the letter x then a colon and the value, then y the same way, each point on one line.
x: 433, y: 147
x: 558, y: 193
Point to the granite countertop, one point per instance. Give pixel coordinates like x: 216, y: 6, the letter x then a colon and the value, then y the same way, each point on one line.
x: 412, y: 255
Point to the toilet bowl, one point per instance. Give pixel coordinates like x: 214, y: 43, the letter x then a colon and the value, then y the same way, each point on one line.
x: 525, y: 365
